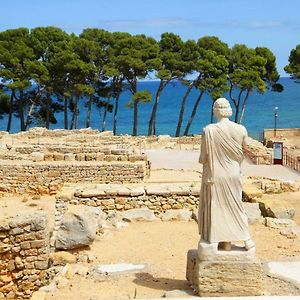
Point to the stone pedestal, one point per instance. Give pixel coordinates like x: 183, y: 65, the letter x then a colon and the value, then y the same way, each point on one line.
x: 224, y: 274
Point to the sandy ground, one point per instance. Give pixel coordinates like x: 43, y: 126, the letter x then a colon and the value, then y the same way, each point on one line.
x: 12, y: 205
x: 162, y: 247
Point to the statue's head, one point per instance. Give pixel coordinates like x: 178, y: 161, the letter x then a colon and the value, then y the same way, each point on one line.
x: 222, y: 108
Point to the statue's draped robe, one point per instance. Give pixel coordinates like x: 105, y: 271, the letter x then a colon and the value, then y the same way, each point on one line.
x: 221, y: 213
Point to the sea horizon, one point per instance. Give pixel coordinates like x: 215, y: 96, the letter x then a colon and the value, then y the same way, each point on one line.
x: 259, y: 113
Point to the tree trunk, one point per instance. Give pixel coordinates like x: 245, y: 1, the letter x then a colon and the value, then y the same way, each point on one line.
x: 88, y: 113
x: 11, y: 106
x: 116, y: 112
x: 76, y: 111
x: 135, y: 118
x: 152, y: 125
x: 244, y: 106
x: 105, y: 114
x: 47, y: 110
x: 66, y: 112
x: 29, y: 114
x: 21, y: 112
x: 237, y: 107
x: 212, y: 112
x: 186, y: 132
x: 73, y: 114
x: 190, y: 87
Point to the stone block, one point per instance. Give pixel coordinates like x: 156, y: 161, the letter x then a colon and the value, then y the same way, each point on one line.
x: 138, y: 214
x: 251, y: 192
x: 276, y: 208
x: 286, y: 227
x: 224, y: 278
x: 70, y: 157
x: 273, y: 187
x: 48, y: 156
x: 253, y: 212
x: 37, y: 156
x: 137, y: 191
x: 158, y: 190
x: 92, y: 193
x: 62, y: 258
x: 100, y: 156
x: 58, y: 156
x: 78, y: 228
x: 41, y: 265
x: 177, y: 214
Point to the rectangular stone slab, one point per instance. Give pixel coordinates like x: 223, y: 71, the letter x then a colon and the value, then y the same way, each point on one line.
x: 224, y: 278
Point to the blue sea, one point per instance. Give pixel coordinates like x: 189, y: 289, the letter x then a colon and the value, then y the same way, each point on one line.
x: 259, y: 112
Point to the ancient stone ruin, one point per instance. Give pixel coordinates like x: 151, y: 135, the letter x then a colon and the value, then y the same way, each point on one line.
x: 100, y: 183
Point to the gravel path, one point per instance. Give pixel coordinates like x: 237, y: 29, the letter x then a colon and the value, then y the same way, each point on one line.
x: 188, y: 159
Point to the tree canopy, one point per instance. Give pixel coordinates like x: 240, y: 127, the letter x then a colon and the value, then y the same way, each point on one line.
x: 45, y: 70
x: 293, y: 68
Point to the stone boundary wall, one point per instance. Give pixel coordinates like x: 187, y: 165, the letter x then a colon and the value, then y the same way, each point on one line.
x: 65, y: 152
x: 89, y: 137
x: 120, y: 197
x: 48, y: 178
x: 258, y: 153
x: 24, y: 255
x: 281, y: 132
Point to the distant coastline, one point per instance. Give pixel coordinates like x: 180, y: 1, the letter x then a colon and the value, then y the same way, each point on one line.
x: 259, y: 113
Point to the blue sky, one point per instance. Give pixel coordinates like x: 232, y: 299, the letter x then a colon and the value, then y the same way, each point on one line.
x: 274, y: 24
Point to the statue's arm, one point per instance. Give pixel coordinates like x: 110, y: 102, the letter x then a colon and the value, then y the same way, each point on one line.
x: 203, y: 153
x: 246, y: 141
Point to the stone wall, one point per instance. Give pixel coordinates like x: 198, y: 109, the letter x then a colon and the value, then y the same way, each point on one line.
x: 24, y: 255
x: 258, y: 153
x: 119, y: 197
x: 72, y: 153
x: 281, y: 132
x: 84, y: 138
x: 47, y: 178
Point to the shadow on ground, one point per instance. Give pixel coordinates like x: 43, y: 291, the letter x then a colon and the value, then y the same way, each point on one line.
x: 161, y: 283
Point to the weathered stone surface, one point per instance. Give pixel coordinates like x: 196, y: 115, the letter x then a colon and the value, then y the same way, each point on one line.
x: 138, y: 214
x: 62, y: 258
x: 251, y: 192
x: 137, y: 191
x: 37, y: 156
x: 92, y: 193
x: 224, y: 278
x: 286, y: 271
x: 24, y: 253
x: 116, y: 268
x: 288, y: 186
x: 276, y: 208
x: 78, y: 228
x: 278, y: 223
x: 253, y: 212
x: 70, y: 157
x: 291, y: 232
x: 158, y: 190
x: 273, y: 187
x: 177, y: 215
x: 287, y: 227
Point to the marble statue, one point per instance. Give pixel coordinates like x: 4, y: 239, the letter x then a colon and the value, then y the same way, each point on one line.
x: 222, y: 218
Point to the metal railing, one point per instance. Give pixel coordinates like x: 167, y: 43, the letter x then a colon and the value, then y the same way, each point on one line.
x: 291, y: 161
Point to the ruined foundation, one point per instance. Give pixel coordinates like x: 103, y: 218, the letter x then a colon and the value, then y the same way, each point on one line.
x: 224, y: 275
